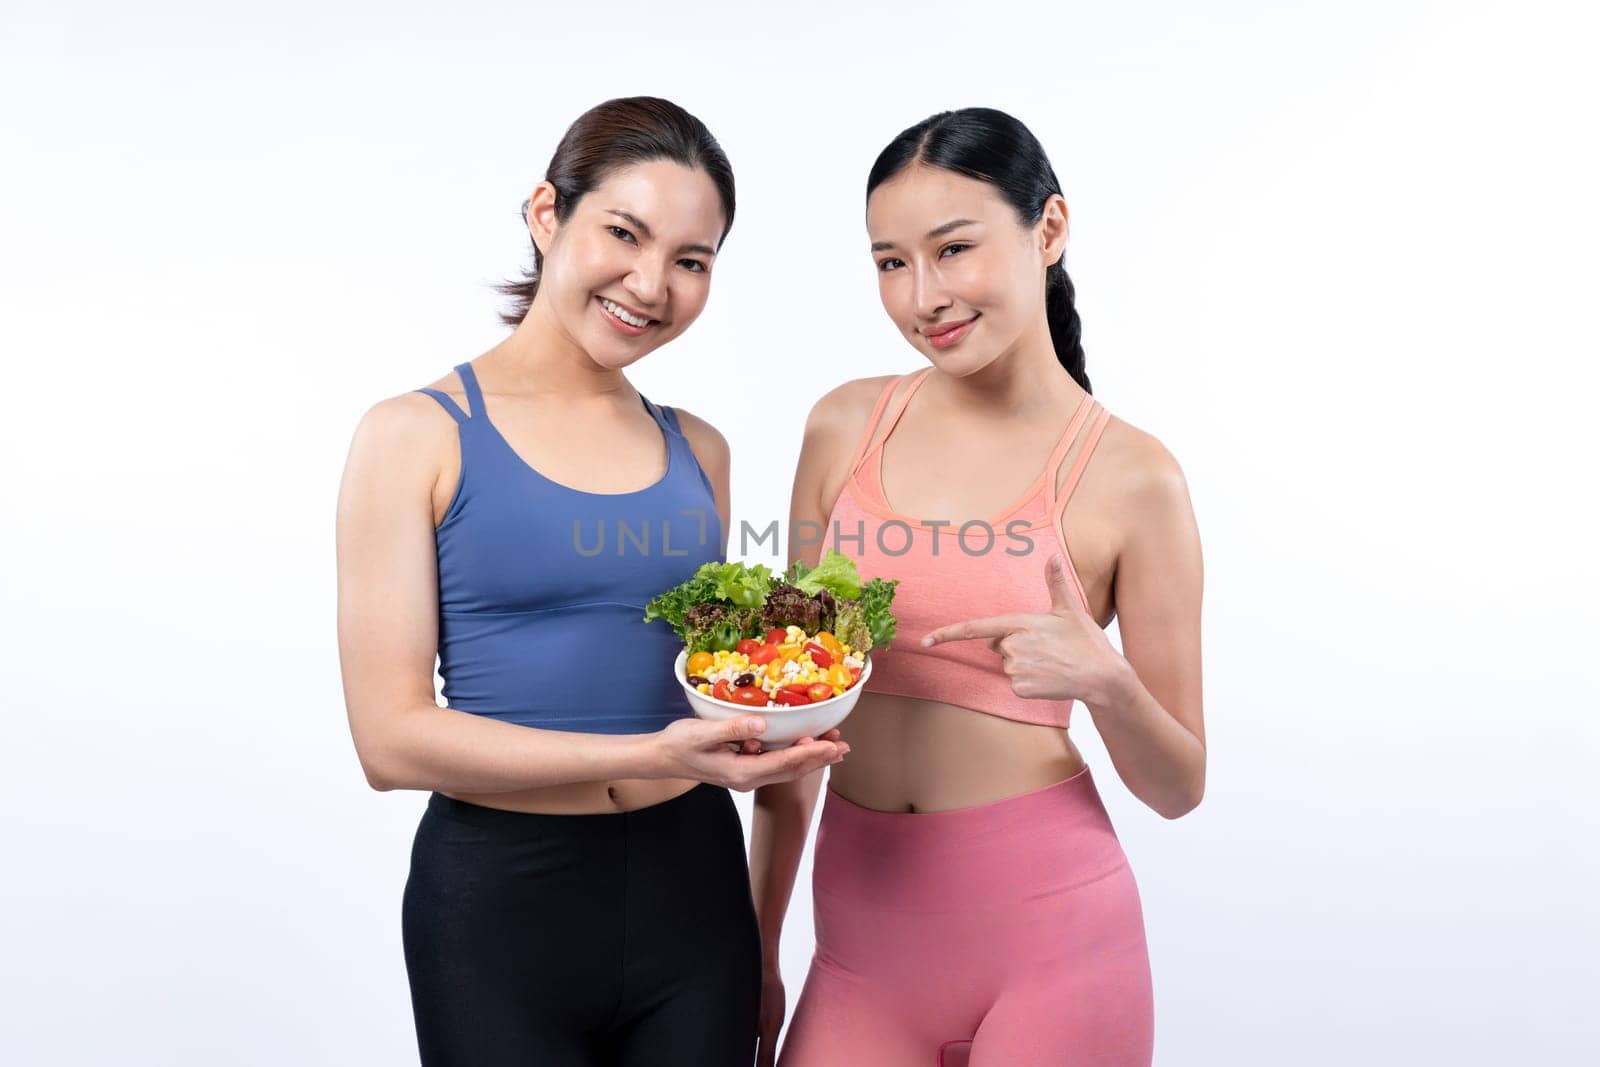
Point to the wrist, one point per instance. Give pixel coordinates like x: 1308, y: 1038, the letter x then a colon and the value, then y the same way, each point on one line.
x: 770, y: 955
x: 1121, y: 687
x: 647, y: 757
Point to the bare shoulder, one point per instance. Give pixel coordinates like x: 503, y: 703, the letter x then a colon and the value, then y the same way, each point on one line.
x: 842, y: 412
x: 1138, y: 470
x: 833, y: 426
x: 404, y: 421
x: 406, y: 438
x: 853, y: 398
x: 710, y: 447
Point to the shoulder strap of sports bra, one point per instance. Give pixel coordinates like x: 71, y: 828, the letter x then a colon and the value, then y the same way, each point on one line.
x: 677, y: 439
x: 877, y: 413
x: 450, y: 406
x: 1068, y: 437
x: 469, y: 383
x: 665, y: 417
x: 872, y: 423
x: 1092, y: 438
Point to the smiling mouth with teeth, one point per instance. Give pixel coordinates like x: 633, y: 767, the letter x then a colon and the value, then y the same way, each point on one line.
x: 625, y: 315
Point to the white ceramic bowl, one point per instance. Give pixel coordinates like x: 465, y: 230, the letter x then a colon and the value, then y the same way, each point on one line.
x: 786, y: 724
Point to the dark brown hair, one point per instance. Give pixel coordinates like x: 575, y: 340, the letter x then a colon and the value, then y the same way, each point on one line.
x: 606, y: 138
x: 993, y: 147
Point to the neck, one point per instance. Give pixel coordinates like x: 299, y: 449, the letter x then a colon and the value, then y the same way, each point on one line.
x: 1025, y: 378
x: 540, y: 357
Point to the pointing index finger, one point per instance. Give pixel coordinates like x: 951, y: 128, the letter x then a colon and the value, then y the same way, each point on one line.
x: 994, y: 626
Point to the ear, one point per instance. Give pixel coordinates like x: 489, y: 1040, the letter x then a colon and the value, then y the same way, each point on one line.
x: 540, y: 213
x: 1053, y: 228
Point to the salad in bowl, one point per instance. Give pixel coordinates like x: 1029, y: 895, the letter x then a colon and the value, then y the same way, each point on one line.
x: 794, y: 648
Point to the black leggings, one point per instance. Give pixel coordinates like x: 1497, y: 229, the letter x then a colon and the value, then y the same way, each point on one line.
x: 557, y: 940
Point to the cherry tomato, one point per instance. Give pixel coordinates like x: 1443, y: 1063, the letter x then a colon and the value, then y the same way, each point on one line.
x: 829, y: 642
x: 797, y: 687
x: 747, y: 646
x: 855, y: 675
x: 839, y: 677
x: 699, y: 663
x: 790, y: 697
x: 751, y: 696
x: 763, y: 654
x: 819, y: 655
x: 819, y: 691
x: 776, y: 636
x: 721, y: 690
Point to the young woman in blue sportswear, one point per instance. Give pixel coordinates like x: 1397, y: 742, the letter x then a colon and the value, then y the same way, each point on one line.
x: 578, y: 891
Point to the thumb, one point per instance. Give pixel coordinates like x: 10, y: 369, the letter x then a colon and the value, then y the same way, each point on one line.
x: 1062, y: 595
x: 742, y: 727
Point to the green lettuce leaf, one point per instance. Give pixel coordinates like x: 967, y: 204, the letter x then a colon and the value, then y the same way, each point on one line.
x: 741, y: 586
x: 850, y: 626
x: 875, y: 600
x: 836, y: 573
x: 713, y: 583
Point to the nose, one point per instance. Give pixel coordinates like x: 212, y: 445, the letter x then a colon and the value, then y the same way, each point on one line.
x: 648, y: 284
x: 928, y: 293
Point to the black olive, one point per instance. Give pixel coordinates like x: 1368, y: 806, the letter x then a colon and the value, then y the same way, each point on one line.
x: 695, y: 679
x: 744, y: 679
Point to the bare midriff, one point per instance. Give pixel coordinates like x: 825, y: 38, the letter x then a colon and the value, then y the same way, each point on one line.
x: 914, y: 755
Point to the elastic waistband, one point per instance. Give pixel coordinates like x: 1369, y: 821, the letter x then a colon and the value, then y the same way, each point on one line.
x: 1024, y: 847
x: 685, y: 804
x: 1070, y: 803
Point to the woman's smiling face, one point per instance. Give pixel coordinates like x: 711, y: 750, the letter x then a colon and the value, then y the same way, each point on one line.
x: 958, y: 273
x: 630, y: 268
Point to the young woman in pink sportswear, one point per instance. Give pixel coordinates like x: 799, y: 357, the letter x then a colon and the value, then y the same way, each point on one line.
x: 972, y: 902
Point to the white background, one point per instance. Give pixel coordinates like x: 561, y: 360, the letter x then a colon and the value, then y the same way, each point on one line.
x: 1339, y: 257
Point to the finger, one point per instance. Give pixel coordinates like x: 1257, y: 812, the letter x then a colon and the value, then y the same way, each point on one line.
x: 741, y: 728
x: 796, y: 762
x: 997, y: 626
x: 1062, y: 596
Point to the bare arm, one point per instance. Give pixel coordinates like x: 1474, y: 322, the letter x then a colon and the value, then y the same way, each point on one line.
x: 783, y: 811
x: 388, y: 635
x: 388, y: 640
x: 1152, y: 722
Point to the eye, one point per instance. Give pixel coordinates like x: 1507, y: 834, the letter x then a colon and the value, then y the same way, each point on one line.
x: 886, y: 265
x: 953, y: 249
x: 692, y: 265
x: 622, y: 235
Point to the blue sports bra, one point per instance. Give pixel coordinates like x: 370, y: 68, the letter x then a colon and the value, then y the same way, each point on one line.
x: 542, y: 587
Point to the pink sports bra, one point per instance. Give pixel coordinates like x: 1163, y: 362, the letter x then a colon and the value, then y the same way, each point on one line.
x: 950, y: 573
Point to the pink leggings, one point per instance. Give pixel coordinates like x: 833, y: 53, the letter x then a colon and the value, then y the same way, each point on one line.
x: 1004, y: 935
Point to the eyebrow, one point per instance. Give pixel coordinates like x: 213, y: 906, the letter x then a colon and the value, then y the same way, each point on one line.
x: 937, y: 231
x: 639, y: 224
